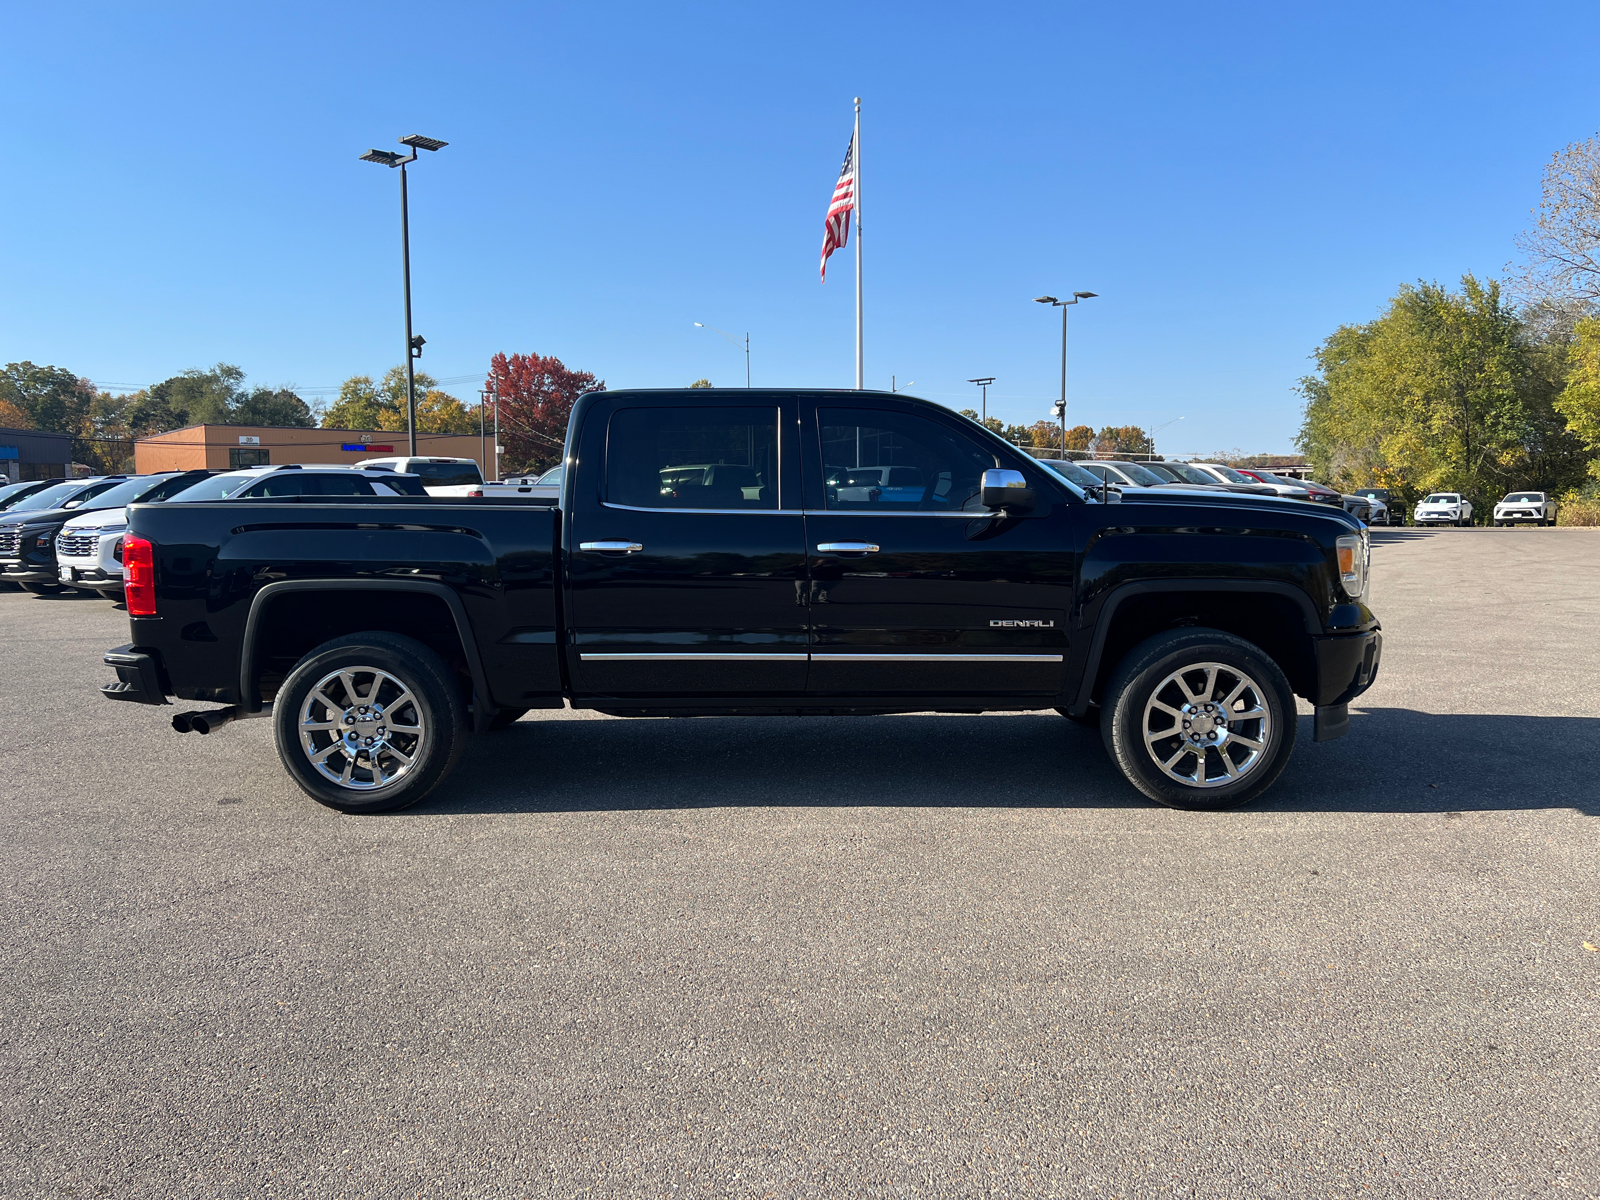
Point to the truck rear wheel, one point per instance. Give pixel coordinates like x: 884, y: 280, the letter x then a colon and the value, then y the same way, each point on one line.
x: 369, y: 723
x: 1199, y: 719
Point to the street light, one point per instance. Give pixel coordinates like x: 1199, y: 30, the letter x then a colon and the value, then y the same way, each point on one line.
x: 388, y: 158
x: 745, y: 345
x: 984, y: 384
x: 1061, y: 405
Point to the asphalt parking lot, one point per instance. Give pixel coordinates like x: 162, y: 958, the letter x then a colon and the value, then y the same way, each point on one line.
x: 896, y: 956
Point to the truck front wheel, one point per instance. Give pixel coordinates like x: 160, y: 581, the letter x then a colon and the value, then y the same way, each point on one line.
x: 369, y: 723
x: 1199, y: 719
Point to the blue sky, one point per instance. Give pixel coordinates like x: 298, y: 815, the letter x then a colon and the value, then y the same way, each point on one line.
x: 1234, y: 180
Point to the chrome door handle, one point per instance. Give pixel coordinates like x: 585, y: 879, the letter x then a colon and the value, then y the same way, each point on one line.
x: 847, y: 548
x: 612, y: 547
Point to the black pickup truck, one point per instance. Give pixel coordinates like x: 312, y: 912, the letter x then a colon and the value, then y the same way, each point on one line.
x: 751, y: 553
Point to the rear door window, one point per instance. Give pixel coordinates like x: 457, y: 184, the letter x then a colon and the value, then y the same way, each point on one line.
x: 288, y: 483
x: 337, y: 485
x: 693, y: 458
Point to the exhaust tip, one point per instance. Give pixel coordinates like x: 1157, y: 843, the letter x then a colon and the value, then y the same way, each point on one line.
x: 180, y: 722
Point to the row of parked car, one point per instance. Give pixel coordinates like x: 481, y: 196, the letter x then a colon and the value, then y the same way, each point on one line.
x: 57, y: 534
x: 1374, y: 506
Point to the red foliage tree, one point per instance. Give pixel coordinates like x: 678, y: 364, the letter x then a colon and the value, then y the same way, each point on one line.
x: 536, y: 396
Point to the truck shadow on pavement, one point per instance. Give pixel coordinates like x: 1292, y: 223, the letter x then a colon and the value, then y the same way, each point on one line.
x: 1393, y: 761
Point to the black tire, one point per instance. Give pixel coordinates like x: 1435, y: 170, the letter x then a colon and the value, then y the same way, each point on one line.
x: 504, y: 718
x: 1145, y: 676
x: 42, y: 589
x: 1089, y: 720
x: 435, y: 708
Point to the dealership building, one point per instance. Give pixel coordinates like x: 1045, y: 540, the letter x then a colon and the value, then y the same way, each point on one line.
x: 229, y: 447
x: 30, y: 454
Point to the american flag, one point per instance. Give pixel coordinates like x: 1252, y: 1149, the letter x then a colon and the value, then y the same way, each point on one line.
x: 836, y: 233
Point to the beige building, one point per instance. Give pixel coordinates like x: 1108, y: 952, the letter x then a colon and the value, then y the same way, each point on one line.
x: 229, y: 447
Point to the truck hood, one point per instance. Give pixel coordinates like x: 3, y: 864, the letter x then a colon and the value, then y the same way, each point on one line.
x: 1236, y: 502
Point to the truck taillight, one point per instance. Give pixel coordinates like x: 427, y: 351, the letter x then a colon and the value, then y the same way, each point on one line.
x: 139, y: 576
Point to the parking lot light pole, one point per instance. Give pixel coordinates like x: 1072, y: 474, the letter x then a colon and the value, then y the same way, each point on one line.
x: 744, y: 345
x: 1150, y: 437
x: 984, y: 384
x: 388, y: 158
x: 1061, y: 405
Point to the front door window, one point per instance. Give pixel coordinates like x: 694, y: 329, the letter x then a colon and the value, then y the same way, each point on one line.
x: 886, y: 462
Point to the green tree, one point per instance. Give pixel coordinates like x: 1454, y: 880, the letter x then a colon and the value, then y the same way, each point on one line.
x: 1120, y: 439
x: 53, y: 398
x: 1579, y: 401
x: 363, y: 404
x: 699, y: 383
x: 1447, y: 390
x: 272, y: 406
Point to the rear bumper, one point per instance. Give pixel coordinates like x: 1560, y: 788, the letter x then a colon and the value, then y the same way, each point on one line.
x: 138, y: 676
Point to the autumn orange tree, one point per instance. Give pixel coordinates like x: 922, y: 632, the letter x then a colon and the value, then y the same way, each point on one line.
x: 536, y: 394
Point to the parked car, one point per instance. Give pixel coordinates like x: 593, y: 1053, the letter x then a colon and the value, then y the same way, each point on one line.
x: 1229, y: 476
x: 1295, y: 489
x: 1095, y: 487
x: 309, y: 481
x: 1525, y: 508
x: 1358, y: 507
x: 28, y: 530
x: 16, y: 493
x: 1390, y: 513
x: 1443, y: 508
x: 441, y: 476
x: 89, y: 545
x: 1183, y: 473
x: 806, y: 591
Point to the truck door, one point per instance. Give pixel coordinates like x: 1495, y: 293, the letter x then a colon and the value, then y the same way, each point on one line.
x: 686, y: 550
x: 915, y: 589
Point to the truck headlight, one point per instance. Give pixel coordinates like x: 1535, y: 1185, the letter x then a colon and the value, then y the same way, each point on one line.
x: 1352, y: 550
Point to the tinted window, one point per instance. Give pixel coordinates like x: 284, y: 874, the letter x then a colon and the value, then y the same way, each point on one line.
x: 693, y: 458
x: 1184, y: 472
x: 446, y: 474
x: 403, y: 485
x: 895, y: 462
x: 280, y: 483
x: 1442, y: 498
x: 91, y: 492
x: 1231, y: 475
x: 11, y: 490
x: 337, y: 485
x: 218, y: 487
x: 1523, y: 498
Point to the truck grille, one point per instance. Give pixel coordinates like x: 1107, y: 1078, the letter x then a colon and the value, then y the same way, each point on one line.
x: 10, y: 542
x: 81, y: 543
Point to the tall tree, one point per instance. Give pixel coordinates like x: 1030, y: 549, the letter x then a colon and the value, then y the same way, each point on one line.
x: 536, y: 394
x: 52, y: 397
x: 363, y: 404
x: 1579, y: 401
x: 1121, y: 439
x: 1447, y: 390
x: 1561, y: 253
x: 13, y: 417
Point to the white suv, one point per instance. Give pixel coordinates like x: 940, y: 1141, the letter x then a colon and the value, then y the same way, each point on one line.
x: 441, y: 476
x: 1443, y: 508
x: 1525, y: 508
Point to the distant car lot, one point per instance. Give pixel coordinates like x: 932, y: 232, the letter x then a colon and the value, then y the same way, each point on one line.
x: 950, y: 954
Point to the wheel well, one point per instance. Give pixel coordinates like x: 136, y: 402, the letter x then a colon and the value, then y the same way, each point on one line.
x: 296, y: 623
x: 1274, y: 623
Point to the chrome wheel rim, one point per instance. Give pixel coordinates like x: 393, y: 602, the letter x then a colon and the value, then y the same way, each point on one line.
x: 1207, y: 725
x: 362, y: 729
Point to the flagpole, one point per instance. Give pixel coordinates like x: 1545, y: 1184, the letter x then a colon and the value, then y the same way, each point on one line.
x: 860, y: 373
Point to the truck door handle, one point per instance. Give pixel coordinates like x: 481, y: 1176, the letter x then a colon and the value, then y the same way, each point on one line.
x: 847, y: 548
x: 612, y: 547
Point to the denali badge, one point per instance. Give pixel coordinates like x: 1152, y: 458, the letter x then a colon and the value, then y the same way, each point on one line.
x: 1022, y: 624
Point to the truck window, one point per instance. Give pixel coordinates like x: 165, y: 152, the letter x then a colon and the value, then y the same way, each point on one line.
x: 894, y: 462
x: 446, y: 474
x: 707, y: 458
x: 287, y: 483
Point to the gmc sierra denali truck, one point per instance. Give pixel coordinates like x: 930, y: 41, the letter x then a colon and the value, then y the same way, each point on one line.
x: 749, y: 553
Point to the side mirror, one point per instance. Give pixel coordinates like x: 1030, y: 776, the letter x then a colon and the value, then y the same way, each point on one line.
x: 1008, y: 491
